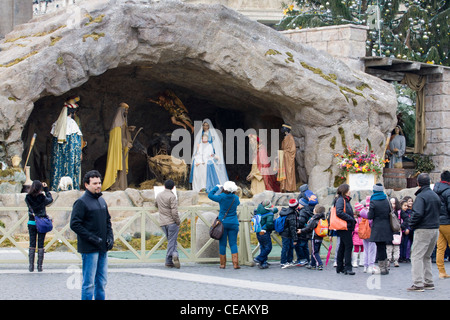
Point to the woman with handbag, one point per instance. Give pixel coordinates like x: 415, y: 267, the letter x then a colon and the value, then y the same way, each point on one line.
x: 381, y: 233
x: 37, y: 199
x: 344, y: 211
x: 228, y: 203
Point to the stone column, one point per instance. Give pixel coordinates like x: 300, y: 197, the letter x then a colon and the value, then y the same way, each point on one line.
x: 437, y: 115
x: 345, y: 42
x: 14, y: 12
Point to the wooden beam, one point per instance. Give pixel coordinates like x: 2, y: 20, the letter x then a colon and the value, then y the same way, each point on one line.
x: 378, y: 62
x: 409, y: 66
x: 386, y: 75
x: 430, y: 70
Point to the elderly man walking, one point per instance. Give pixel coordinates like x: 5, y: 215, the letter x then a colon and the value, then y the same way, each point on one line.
x: 169, y: 220
x: 425, y: 223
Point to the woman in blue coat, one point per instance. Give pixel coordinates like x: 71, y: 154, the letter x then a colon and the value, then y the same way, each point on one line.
x: 228, y: 203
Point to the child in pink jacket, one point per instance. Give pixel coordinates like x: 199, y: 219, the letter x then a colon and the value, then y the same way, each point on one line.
x: 370, y: 248
x: 358, y: 249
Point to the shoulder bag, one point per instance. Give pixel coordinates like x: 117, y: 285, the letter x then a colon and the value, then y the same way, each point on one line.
x: 337, y: 223
x: 43, y: 224
x: 393, y: 219
x: 216, y: 230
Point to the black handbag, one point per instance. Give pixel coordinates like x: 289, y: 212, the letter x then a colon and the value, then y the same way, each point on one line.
x: 216, y: 230
x: 393, y: 219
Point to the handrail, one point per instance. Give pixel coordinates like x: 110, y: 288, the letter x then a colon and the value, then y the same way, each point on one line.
x: 143, y: 254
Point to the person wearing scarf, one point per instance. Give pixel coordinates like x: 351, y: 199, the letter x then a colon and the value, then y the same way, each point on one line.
x: 381, y: 232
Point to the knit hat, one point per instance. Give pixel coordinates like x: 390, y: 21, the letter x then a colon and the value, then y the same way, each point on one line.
x: 303, y: 202
x: 293, y: 203
x: 267, y: 204
x: 358, y: 206
x: 367, y: 201
x: 378, y: 187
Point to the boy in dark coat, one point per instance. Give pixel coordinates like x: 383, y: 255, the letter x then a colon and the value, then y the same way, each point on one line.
x: 305, y: 214
x: 319, y: 213
x: 289, y: 234
x: 266, y: 211
x: 442, y: 189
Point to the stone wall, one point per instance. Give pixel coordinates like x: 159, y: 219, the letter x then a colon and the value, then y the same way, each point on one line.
x: 345, y: 42
x: 437, y: 120
x: 13, y: 13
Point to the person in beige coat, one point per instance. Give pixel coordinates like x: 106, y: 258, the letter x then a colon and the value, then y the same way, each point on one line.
x: 169, y: 221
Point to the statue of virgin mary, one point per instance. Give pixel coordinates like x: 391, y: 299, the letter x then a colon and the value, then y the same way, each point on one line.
x: 208, y: 165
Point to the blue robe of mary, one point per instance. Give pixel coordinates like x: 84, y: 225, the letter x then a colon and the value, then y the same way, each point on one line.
x: 66, y: 159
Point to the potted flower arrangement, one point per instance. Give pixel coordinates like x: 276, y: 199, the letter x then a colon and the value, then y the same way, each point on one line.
x: 360, y: 168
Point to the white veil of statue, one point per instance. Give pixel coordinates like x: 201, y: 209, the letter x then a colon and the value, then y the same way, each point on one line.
x: 215, y: 140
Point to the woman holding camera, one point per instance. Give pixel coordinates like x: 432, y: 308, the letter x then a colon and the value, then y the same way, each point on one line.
x: 228, y: 202
x: 37, y: 199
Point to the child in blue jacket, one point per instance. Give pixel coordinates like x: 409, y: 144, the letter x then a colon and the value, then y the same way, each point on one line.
x: 266, y: 211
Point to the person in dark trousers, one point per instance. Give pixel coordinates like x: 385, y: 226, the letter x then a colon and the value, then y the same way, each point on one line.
x: 344, y: 211
x: 289, y: 236
x: 266, y: 210
x: 37, y: 199
x: 381, y: 232
x: 91, y: 222
x: 316, y: 240
x: 442, y: 189
x: 425, y: 223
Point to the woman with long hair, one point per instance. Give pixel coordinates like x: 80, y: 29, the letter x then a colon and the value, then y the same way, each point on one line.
x: 344, y: 211
x: 37, y: 199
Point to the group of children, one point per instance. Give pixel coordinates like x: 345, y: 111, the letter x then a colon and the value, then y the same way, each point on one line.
x: 397, y: 251
x: 298, y: 223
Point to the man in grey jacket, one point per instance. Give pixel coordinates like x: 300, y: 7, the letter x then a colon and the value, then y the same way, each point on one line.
x: 425, y: 223
x: 169, y: 221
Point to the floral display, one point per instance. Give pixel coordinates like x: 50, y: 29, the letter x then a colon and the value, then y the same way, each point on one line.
x: 353, y: 161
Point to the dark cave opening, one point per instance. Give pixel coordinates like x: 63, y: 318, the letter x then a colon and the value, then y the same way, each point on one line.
x: 99, y: 100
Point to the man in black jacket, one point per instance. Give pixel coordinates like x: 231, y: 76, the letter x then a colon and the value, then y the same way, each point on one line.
x: 442, y: 189
x: 425, y: 223
x: 91, y: 222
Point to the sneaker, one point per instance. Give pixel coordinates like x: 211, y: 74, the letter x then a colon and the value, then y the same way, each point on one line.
x: 320, y: 268
x: 287, y: 265
x: 396, y: 264
x: 428, y: 286
x: 301, y: 263
x: 311, y: 267
x: 415, y: 288
x: 263, y: 266
x: 257, y: 262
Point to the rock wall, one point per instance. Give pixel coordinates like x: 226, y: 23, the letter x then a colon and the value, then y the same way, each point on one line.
x: 210, y: 51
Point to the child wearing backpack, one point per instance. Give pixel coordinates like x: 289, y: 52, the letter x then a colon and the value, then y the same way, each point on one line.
x: 286, y: 226
x: 265, y: 210
x: 370, y: 248
x: 316, y: 236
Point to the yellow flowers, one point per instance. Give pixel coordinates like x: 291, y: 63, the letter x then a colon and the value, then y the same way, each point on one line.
x: 288, y: 9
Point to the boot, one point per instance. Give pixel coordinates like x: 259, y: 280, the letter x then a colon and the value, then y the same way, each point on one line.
x: 235, y: 259
x: 40, y: 259
x: 355, y: 259
x: 31, y: 254
x: 223, y: 261
x: 383, y: 266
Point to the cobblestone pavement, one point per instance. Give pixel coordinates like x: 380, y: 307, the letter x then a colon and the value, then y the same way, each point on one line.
x: 192, y: 281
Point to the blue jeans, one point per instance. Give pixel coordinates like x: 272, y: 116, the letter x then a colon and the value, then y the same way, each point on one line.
x: 265, y: 247
x: 230, y: 232
x: 301, y: 249
x: 287, y: 250
x: 95, y: 270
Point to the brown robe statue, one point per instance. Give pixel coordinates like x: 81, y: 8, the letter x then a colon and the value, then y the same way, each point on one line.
x: 288, y: 183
